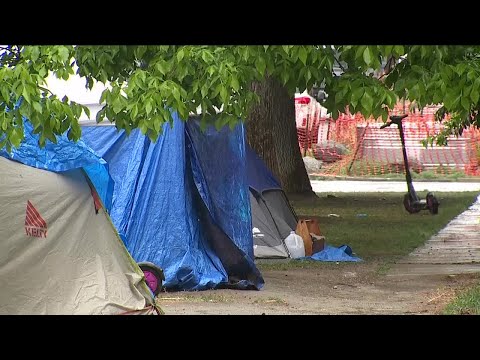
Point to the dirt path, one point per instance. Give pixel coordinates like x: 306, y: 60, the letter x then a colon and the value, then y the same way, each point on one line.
x: 325, y: 289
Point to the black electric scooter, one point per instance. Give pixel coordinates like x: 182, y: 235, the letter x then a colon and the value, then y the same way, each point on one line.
x: 411, y: 201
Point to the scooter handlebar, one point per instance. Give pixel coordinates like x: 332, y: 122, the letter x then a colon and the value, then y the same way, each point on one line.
x: 398, y: 117
x: 394, y: 119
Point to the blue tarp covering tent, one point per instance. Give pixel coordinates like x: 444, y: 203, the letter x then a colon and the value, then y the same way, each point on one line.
x: 182, y: 202
x: 260, y: 178
x: 65, y: 155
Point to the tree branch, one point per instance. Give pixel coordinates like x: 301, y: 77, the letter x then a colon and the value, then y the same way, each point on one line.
x: 45, y: 89
x: 339, y: 63
x: 389, y: 66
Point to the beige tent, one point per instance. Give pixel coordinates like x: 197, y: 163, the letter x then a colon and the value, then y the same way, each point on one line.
x: 59, y: 252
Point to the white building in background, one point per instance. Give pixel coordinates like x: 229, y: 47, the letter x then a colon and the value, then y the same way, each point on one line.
x: 76, y: 91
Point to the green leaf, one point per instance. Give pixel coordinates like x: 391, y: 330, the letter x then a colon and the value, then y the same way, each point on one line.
x: 217, y: 90
x: 180, y: 54
x: 35, y: 53
x: 285, y: 77
x: 117, y: 106
x: 359, y: 52
x: 204, y: 90
x: 161, y: 67
x: 148, y: 107
x: 354, y: 103
x: 42, y: 72
x: 157, y: 123
x: 471, y: 75
x: 308, y: 75
x: 357, y: 94
x: 423, y: 51
x: 474, y: 95
x: 63, y: 52
x: 260, y: 65
x: 449, y: 99
x: 399, y: 49
x: 234, y: 83
x: 143, y: 76
x: 302, y: 55
x: 134, y: 111
x: 16, y: 137
x: 207, y: 56
x: 26, y: 95
x: 367, y: 56
x: 460, y: 68
x: 367, y: 102
x: 176, y: 94
x: 465, y: 103
x: 143, y: 127
x: 224, y: 94
x: 37, y: 107
x: 104, y: 95
x: 87, y: 111
x: 5, y: 93
x: 338, y: 97
x: 140, y: 51
x: 384, y: 114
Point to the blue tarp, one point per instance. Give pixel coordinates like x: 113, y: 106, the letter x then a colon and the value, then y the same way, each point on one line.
x: 65, y: 155
x: 260, y: 177
x: 331, y: 253
x: 182, y: 203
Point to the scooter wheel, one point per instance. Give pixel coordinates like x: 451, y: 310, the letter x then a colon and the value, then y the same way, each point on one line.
x: 153, y: 276
x: 409, y: 206
x: 432, y: 203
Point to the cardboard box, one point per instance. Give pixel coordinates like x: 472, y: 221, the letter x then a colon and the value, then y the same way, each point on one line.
x: 318, y: 243
x: 302, y: 230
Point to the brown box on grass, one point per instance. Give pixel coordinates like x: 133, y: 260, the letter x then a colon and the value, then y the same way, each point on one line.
x: 302, y: 230
x: 318, y: 243
x: 309, y: 230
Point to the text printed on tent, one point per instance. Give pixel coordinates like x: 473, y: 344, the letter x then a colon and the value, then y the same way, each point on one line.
x: 35, y: 225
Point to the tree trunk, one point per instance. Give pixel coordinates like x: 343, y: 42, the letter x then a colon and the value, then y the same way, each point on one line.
x: 272, y: 133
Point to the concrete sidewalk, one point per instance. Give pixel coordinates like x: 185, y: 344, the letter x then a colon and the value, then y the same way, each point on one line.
x: 453, y: 250
x: 331, y: 186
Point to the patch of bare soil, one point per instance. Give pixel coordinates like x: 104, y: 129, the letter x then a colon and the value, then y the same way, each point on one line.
x: 331, y: 289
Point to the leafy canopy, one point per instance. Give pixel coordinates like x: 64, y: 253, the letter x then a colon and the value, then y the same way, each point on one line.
x: 146, y: 81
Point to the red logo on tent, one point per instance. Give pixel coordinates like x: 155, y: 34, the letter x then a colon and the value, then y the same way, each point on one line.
x: 34, y: 223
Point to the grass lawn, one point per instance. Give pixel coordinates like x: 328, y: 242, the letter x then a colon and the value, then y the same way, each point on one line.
x: 386, y: 233
x: 387, y: 230
x: 466, y: 303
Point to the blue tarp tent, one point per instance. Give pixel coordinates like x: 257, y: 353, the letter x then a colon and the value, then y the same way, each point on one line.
x: 182, y: 202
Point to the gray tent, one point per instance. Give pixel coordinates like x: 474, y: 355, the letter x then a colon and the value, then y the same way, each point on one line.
x: 59, y: 252
x: 272, y: 216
